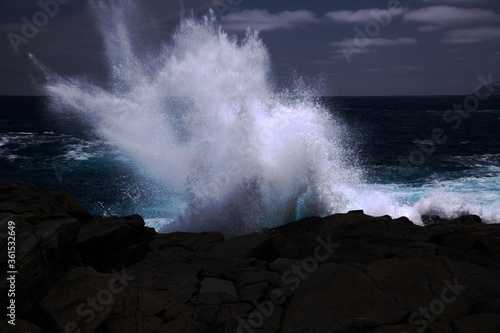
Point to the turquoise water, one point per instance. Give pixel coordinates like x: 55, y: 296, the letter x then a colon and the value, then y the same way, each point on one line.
x: 460, y: 176
x: 196, y: 135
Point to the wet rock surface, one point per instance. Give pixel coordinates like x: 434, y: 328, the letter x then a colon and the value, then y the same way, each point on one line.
x: 342, y: 273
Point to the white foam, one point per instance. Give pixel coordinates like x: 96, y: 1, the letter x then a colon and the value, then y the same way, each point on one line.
x: 4, y: 141
x: 77, y: 156
x: 12, y: 157
x: 158, y: 223
x: 25, y: 139
x: 448, y: 199
x: 203, y: 119
x: 207, y: 123
x: 76, y: 152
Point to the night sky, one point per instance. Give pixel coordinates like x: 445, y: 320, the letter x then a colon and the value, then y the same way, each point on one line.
x: 418, y: 47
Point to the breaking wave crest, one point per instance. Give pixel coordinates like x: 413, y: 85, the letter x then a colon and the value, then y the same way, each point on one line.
x: 202, y: 118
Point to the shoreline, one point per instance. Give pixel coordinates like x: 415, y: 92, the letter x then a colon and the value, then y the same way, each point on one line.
x: 374, y: 274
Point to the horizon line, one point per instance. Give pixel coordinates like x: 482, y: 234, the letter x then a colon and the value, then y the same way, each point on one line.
x: 318, y: 96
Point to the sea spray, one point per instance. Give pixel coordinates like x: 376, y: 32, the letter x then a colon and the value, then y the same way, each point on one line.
x: 202, y: 118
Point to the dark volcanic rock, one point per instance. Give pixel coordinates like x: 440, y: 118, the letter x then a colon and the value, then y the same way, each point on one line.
x: 43, y: 254
x: 430, y: 220
x: 82, y: 299
x: 123, y: 239
x: 255, y: 245
x: 154, y: 295
x: 21, y: 326
x: 193, y: 242
x: 479, y: 323
x: 342, y: 273
x: 325, y: 302
x: 18, y: 197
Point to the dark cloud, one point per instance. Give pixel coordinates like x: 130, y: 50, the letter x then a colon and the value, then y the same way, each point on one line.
x: 450, y: 16
x: 262, y: 20
x: 362, y: 15
x: 418, y: 47
x: 477, y: 35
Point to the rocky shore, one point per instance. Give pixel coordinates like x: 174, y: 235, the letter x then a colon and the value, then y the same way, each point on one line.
x: 342, y: 273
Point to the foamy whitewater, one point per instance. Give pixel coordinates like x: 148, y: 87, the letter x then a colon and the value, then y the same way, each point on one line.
x: 202, y: 120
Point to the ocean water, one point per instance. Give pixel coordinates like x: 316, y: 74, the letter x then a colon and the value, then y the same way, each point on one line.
x: 461, y: 175
x: 195, y: 134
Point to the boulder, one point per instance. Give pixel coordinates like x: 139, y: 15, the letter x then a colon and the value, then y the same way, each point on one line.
x: 337, y: 298
x: 195, y: 242
x: 18, y: 197
x: 342, y: 273
x: 407, y: 280
x: 82, y: 299
x: 478, y: 323
x: 21, y: 326
x: 255, y: 245
x: 123, y: 239
x: 155, y: 292
x: 44, y: 253
x: 213, y: 285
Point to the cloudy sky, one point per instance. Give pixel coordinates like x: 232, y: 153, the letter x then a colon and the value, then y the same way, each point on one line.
x: 357, y: 47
